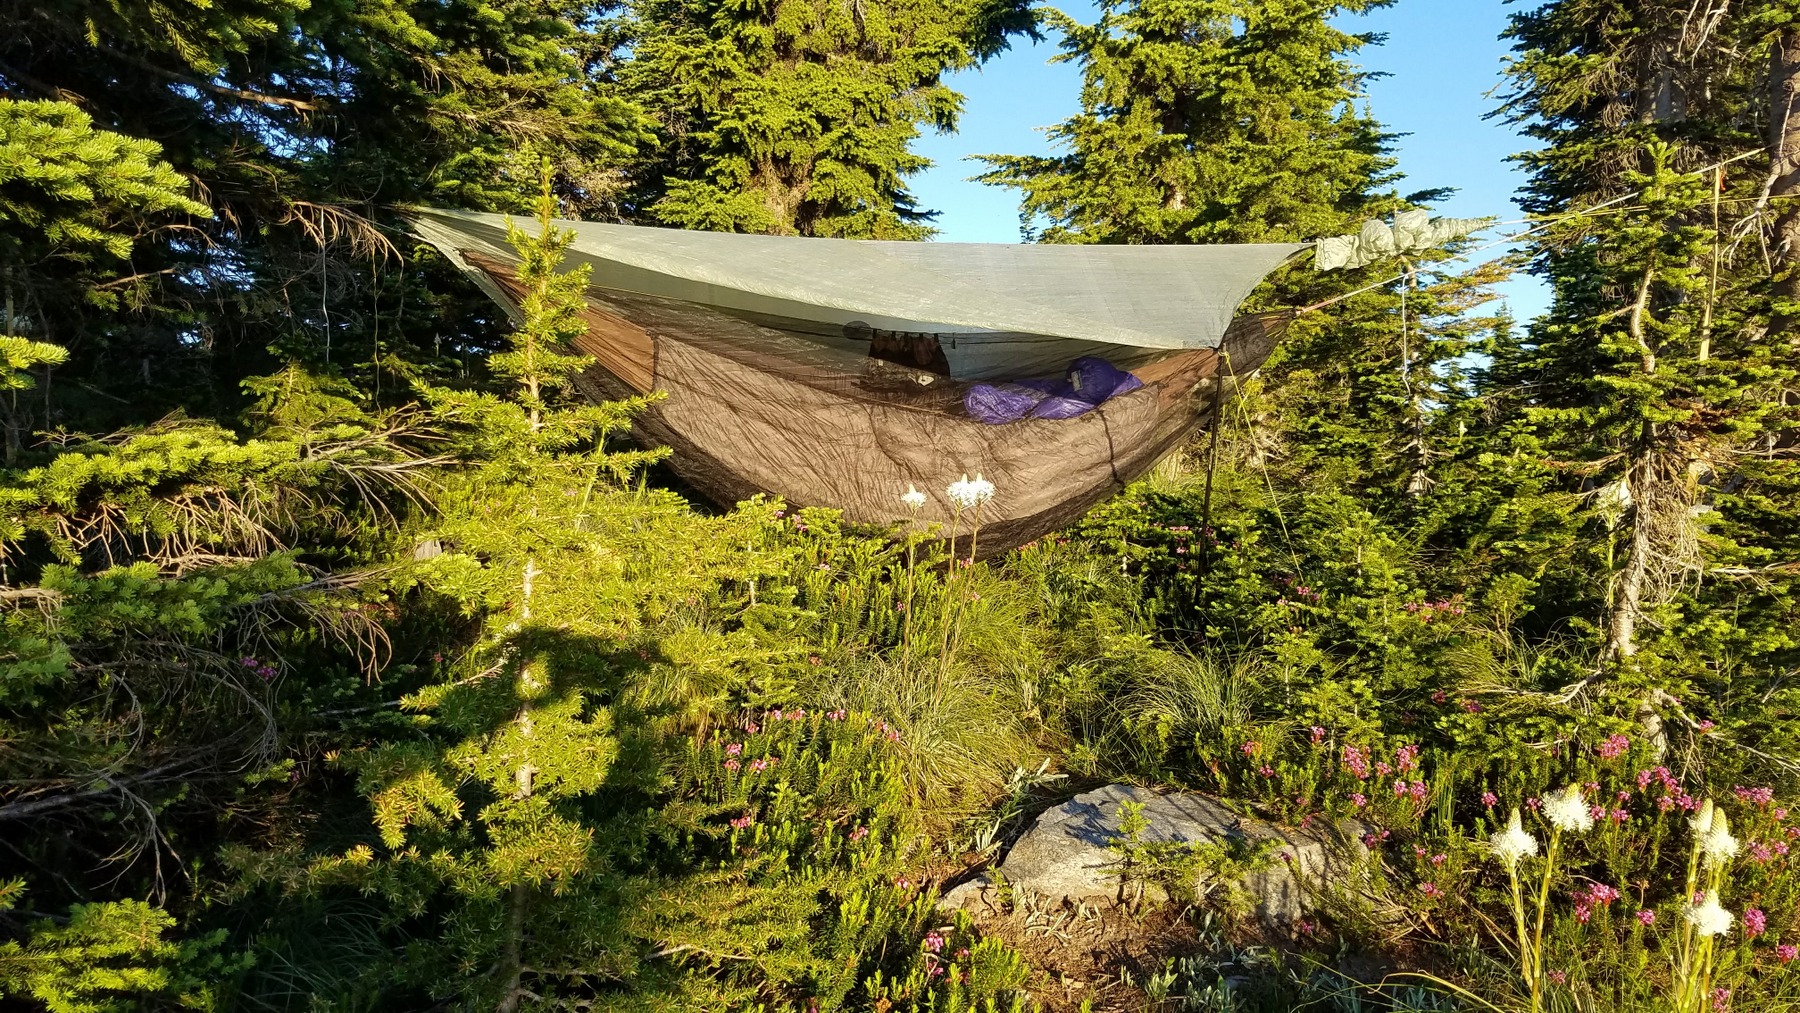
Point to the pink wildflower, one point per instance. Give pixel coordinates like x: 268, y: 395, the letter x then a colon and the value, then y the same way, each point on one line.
x: 1250, y: 748
x: 1721, y: 999
x: 859, y: 833
x: 1318, y: 735
x: 1358, y: 799
x: 734, y: 749
x: 741, y: 822
x: 934, y: 942
x: 1357, y: 761
x: 1430, y: 890
x: 1560, y: 977
x: 1407, y: 758
x: 1755, y: 796
x: 1787, y: 953
x: 731, y: 765
x: 1646, y: 917
x: 1614, y: 747
x: 1601, y: 894
x: 1489, y: 799
x: 1583, y: 913
x: 1266, y: 771
x: 1755, y: 922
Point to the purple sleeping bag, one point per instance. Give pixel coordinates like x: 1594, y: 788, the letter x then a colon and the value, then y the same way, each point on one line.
x: 1090, y: 382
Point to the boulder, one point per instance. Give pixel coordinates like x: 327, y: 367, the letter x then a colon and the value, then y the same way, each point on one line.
x: 1064, y: 856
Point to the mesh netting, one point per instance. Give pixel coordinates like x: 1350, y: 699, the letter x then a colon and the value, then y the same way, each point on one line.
x: 815, y: 418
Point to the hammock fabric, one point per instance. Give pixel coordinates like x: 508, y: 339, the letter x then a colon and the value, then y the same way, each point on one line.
x: 837, y: 373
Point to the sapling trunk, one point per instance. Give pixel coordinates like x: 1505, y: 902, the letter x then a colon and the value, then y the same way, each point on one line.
x: 513, y: 953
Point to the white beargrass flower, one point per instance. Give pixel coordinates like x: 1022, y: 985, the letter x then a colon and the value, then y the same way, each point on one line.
x: 959, y: 493
x: 1567, y: 810
x: 967, y: 493
x: 914, y: 499
x: 1716, y: 843
x: 1707, y: 917
x: 1513, y: 843
x: 1702, y: 821
x: 981, y: 488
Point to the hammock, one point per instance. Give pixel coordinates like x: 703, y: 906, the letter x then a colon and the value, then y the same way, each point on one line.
x: 837, y: 372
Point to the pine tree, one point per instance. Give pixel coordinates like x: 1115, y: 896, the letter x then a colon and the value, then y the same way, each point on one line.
x: 305, y: 125
x: 795, y: 116
x: 1650, y: 387
x: 1206, y: 121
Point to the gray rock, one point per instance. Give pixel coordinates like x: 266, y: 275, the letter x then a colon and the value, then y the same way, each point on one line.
x: 968, y: 895
x: 1064, y: 856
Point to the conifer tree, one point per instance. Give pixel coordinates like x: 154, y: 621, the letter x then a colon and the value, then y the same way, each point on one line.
x: 1650, y: 389
x: 305, y: 124
x: 795, y: 116
x: 1206, y: 121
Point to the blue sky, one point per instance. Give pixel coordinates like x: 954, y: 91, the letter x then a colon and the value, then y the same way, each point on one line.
x: 1442, y: 58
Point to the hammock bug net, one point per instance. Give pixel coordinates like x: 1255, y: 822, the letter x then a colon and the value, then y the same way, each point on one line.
x: 837, y: 373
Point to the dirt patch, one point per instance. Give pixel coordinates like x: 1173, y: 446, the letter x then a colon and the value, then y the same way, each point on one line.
x: 1103, y: 955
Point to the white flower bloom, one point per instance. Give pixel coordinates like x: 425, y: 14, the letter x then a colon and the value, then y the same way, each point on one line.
x: 1707, y: 917
x: 1567, y: 810
x: 914, y: 499
x: 1702, y: 821
x: 981, y: 489
x: 1717, y: 844
x: 967, y: 493
x: 960, y: 494
x: 1513, y: 843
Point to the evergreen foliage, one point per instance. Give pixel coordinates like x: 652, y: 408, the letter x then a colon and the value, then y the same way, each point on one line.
x: 1206, y: 121
x: 794, y: 117
x: 1652, y: 391
x: 385, y: 676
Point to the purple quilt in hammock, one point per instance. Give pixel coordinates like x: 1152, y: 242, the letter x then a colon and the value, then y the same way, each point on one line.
x: 1088, y: 384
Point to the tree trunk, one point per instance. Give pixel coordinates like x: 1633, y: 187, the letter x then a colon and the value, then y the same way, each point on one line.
x: 1784, y: 154
x: 512, y: 971
x: 1628, y: 591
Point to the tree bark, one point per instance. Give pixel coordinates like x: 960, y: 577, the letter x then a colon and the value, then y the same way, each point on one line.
x: 1784, y: 169
x: 1628, y: 591
x: 513, y: 954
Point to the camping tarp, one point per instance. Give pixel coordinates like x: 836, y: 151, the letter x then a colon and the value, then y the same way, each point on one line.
x: 1162, y: 297
x: 837, y: 373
